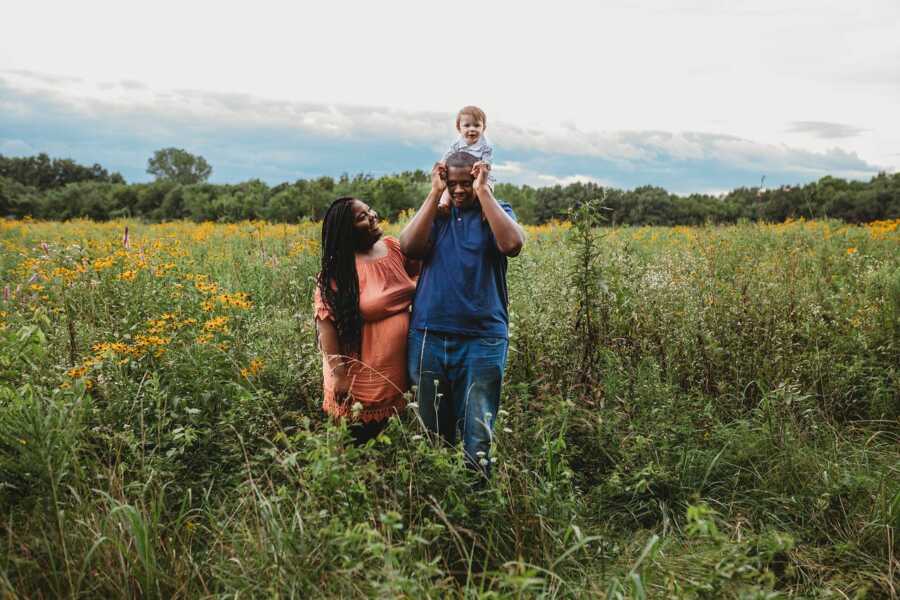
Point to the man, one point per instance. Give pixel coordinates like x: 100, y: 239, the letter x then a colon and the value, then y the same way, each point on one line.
x: 459, y: 330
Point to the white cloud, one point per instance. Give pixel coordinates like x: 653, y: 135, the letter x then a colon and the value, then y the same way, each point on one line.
x: 826, y: 130
x: 645, y: 65
x: 508, y: 168
x: 564, y: 181
x: 261, y: 130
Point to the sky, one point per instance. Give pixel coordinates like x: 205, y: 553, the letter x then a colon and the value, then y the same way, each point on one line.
x: 690, y: 95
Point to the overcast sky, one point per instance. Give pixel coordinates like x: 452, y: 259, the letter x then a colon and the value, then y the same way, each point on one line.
x: 689, y: 95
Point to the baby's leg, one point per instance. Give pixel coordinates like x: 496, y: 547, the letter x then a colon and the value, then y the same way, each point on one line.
x: 444, y: 202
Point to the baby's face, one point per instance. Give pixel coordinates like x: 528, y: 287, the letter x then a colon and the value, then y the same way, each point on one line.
x: 470, y: 128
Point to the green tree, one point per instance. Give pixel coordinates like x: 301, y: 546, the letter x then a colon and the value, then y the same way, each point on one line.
x: 178, y: 165
x: 44, y: 173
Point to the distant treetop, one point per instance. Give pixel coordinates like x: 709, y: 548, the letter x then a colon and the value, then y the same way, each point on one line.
x: 178, y: 165
x: 44, y: 173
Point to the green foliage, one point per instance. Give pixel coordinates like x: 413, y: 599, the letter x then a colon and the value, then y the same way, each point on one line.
x: 178, y: 165
x: 42, y: 173
x: 58, y: 189
x: 736, y: 439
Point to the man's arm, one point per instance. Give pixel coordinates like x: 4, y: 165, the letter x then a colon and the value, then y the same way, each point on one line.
x: 508, y: 234
x: 415, y: 239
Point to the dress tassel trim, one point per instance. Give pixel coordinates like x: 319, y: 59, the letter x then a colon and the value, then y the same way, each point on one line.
x: 369, y: 413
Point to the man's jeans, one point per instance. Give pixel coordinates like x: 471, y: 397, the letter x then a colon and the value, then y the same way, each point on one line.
x: 468, y: 372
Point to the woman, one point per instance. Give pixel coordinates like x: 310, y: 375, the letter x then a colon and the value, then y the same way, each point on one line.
x: 362, y: 299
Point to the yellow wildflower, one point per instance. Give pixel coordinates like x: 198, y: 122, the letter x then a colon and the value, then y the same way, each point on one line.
x: 253, y: 368
x: 100, y: 264
x: 216, y: 324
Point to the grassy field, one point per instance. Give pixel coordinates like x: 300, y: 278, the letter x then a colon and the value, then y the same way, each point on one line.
x: 688, y: 412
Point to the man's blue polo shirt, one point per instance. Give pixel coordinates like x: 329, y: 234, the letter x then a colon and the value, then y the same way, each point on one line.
x: 462, y: 286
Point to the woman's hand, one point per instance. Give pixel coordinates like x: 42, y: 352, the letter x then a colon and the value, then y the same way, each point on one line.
x: 341, y: 382
x: 438, y: 178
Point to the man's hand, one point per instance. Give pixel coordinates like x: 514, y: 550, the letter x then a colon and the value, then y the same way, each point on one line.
x: 439, y: 178
x: 480, y: 172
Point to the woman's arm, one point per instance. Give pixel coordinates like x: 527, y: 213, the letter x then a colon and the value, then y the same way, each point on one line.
x: 415, y: 239
x: 328, y: 342
x: 509, y: 235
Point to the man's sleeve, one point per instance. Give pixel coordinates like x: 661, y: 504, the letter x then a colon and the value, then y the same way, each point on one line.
x: 508, y: 209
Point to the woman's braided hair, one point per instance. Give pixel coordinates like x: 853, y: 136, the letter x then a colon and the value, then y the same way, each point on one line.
x: 337, y: 280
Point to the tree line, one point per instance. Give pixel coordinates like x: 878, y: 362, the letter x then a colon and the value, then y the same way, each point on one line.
x: 60, y: 189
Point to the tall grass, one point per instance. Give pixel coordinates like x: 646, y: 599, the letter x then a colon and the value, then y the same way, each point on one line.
x: 699, y: 413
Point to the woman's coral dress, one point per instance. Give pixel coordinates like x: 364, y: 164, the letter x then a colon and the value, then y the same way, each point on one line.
x: 378, y: 376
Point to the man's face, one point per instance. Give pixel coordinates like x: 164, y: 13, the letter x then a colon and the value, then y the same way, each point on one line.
x: 460, y: 186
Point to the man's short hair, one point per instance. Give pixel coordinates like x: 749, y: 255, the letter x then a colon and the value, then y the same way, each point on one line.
x: 472, y: 111
x: 461, y: 160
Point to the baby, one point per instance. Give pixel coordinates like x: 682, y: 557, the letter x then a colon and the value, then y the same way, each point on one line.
x: 470, y: 123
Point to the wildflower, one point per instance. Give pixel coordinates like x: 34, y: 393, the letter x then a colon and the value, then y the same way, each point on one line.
x: 851, y: 250
x: 101, y: 264
x: 483, y: 462
x: 480, y: 454
x: 252, y: 369
x: 216, y: 324
x: 77, y: 372
x: 356, y: 408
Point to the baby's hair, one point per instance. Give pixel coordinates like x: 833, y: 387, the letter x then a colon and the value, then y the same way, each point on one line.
x: 472, y: 111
